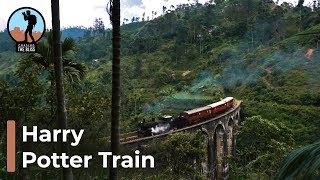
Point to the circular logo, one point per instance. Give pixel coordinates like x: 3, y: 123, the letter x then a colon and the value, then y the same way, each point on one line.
x: 26, y: 25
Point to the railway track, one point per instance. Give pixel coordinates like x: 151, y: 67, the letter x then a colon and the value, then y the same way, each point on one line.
x: 128, y: 136
x: 132, y: 137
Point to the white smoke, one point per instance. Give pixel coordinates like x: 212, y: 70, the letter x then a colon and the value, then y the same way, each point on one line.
x: 160, y: 128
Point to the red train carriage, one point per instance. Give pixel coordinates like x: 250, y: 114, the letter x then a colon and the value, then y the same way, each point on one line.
x: 208, y: 111
x: 229, y: 101
x: 218, y: 107
x: 196, y: 114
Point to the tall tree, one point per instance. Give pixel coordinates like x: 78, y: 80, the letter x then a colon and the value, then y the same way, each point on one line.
x: 74, y: 71
x: 98, y: 26
x: 114, y: 13
x: 61, y: 107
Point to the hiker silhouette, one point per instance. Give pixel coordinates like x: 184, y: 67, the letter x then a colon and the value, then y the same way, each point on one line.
x: 32, y: 21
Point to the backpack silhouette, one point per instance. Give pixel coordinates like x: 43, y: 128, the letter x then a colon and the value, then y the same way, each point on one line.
x: 33, y: 20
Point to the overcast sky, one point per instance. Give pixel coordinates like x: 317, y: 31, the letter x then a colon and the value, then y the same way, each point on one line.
x: 83, y: 12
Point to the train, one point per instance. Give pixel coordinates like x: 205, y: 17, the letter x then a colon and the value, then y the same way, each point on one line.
x: 167, y: 123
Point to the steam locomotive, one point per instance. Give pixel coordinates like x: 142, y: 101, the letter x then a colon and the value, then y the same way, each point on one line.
x: 167, y: 123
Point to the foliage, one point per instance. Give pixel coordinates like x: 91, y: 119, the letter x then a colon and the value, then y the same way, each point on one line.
x: 19, y: 101
x: 73, y: 71
x: 98, y: 26
x: 262, y: 145
x: 181, y: 154
x: 303, y: 163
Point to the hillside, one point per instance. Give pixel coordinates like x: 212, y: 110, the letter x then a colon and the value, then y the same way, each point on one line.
x: 255, y: 51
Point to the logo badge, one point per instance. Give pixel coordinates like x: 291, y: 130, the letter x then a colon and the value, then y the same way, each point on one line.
x: 26, y: 26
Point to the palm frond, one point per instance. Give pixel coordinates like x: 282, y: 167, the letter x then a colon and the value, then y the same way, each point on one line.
x: 69, y: 45
x: 74, y: 71
x: 303, y: 163
x: 44, y: 54
x: 38, y: 59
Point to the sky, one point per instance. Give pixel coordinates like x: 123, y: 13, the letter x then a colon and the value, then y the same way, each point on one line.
x: 84, y: 12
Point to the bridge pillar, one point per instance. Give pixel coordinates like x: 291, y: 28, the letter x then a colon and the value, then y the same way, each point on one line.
x: 234, y: 141
x: 235, y: 127
x: 219, y: 152
x: 230, y: 139
x: 225, y: 154
x: 211, y: 157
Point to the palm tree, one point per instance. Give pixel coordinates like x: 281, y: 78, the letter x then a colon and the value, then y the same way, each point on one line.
x: 303, y: 163
x: 61, y: 107
x: 74, y: 72
x: 114, y: 13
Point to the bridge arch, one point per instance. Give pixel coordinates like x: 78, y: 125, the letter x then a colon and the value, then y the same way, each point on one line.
x: 220, y: 124
x: 205, y: 131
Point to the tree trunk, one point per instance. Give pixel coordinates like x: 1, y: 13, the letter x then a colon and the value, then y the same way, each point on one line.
x: 115, y: 112
x: 25, y: 147
x: 61, y: 107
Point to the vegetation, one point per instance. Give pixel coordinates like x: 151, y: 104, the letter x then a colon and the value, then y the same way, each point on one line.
x: 264, y: 154
x: 302, y: 163
x: 266, y: 55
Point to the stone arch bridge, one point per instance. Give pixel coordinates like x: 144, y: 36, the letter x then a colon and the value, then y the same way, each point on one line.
x: 221, y: 140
